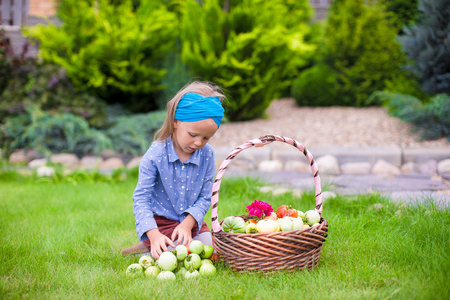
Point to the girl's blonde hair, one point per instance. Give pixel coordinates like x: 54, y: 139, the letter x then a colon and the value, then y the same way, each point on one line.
x: 206, y: 89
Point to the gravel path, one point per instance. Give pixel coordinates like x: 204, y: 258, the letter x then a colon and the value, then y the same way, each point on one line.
x: 325, y: 126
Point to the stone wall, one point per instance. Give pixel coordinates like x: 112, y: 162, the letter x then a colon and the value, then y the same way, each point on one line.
x: 365, y: 161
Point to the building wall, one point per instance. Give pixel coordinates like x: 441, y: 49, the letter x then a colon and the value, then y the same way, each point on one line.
x: 45, y: 8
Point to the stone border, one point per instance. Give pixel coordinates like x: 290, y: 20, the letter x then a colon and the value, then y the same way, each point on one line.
x: 343, y: 160
x: 279, y: 157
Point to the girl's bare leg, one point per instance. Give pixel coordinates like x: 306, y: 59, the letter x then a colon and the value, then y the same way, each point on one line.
x: 205, y: 238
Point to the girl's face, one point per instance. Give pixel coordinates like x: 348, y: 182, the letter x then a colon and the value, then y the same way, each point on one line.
x: 188, y: 137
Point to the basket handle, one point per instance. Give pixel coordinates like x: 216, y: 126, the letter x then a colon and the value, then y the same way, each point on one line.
x: 262, y: 141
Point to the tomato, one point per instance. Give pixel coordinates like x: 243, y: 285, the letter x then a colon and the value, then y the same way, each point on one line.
x: 251, y: 228
x: 292, y: 213
x: 214, y: 257
x: 286, y: 211
x: 268, y: 226
x: 234, y: 224
x: 281, y: 211
x: 273, y: 216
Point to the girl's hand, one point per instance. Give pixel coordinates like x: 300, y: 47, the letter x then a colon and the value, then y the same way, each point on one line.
x: 158, y: 242
x: 183, y: 232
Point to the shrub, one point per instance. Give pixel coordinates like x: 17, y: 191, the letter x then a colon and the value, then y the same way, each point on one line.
x: 251, y: 48
x: 12, y: 64
x: 177, y: 75
x: 133, y: 134
x: 315, y: 86
x: 402, y: 84
x: 403, y: 12
x: 114, y: 48
x: 431, y: 119
x: 427, y: 44
x: 360, y: 46
x: 53, y: 133
x: 48, y: 87
x: 24, y: 81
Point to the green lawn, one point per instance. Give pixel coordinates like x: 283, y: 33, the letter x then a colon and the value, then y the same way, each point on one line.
x: 63, y: 240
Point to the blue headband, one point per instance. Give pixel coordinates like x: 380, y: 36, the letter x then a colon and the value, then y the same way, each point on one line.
x: 195, y: 107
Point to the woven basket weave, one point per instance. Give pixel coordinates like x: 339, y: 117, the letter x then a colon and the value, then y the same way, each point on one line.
x: 269, y: 252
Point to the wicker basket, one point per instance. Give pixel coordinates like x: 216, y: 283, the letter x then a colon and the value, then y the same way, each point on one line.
x: 269, y: 252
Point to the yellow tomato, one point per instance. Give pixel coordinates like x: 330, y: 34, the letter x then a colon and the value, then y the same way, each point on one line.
x: 268, y: 226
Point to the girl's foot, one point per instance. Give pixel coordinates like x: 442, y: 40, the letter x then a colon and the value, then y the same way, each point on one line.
x: 139, y: 248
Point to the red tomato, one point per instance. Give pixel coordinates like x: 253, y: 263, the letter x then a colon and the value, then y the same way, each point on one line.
x: 281, y: 211
x: 214, y: 257
x: 292, y: 213
x: 288, y: 211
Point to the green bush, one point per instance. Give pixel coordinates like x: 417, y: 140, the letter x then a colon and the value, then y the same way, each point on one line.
x: 431, y: 119
x: 133, y: 134
x: 251, y: 48
x: 177, y: 75
x: 25, y: 81
x: 360, y: 47
x: 403, y: 12
x: 49, y: 88
x: 427, y: 44
x: 113, y: 48
x: 315, y: 86
x: 404, y: 85
x: 52, y: 133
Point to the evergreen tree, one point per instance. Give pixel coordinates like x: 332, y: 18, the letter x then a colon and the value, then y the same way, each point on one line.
x: 428, y: 44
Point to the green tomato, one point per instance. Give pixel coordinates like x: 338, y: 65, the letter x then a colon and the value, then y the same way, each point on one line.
x: 181, y: 272
x: 167, y: 261
x: 192, y: 261
x: 196, y: 247
x: 135, y: 270
x: 146, y: 261
x: 301, y: 214
x: 166, y: 275
x: 206, y: 261
x: 251, y: 228
x: 152, y: 271
x: 286, y: 224
x: 297, y: 224
x: 312, y: 217
x: 227, y: 223
x: 207, y: 251
x: 234, y: 224
x: 207, y: 270
x: 192, y: 274
x: 181, y: 252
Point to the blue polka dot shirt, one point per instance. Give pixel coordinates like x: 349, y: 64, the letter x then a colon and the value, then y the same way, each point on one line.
x: 170, y: 188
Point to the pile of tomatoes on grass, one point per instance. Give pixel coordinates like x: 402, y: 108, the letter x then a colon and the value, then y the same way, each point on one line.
x: 196, y: 260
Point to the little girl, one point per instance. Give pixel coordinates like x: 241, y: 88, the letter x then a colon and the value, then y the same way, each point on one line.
x: 176, y: 173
